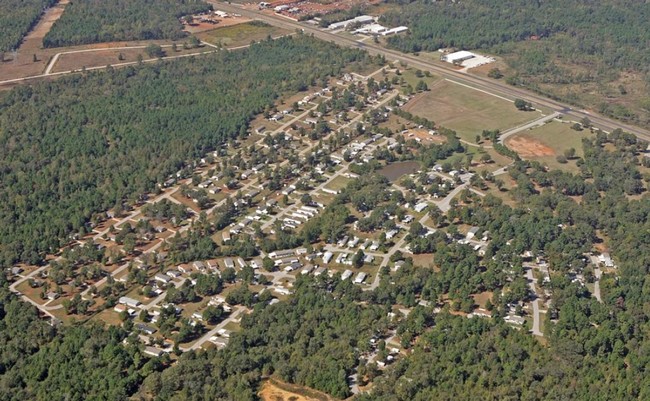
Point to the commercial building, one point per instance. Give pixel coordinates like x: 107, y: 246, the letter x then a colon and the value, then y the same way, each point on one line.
x: 457, y: 57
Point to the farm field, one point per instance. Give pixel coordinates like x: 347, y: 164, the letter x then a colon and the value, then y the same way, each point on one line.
x: 467, y: 111
x: 545, y: 143
x: 241, y: 34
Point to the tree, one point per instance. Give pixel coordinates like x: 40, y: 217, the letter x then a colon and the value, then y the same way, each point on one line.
x: 306, y: 199
x: 495, y: 73
x: 523, y: 105
x: 213, y: 314
x: 570, y: 153
x: 194, y: 42
x: 357, y: 259
x: 421, y: 86
x: 154, y: 50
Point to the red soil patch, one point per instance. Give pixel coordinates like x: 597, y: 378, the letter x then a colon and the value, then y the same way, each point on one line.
x: 530, y: 147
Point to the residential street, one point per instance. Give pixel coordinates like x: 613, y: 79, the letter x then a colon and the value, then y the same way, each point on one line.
x: 535, y: 303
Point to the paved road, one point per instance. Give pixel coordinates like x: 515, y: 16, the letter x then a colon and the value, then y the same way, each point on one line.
x: 445, y: 204
x: 16, y: 283
x: 598, y: 273
x: 532, y: 124
x: 491, y: 86
x: 238, y: 310
x: 48, y: 71
x: 531, y: 282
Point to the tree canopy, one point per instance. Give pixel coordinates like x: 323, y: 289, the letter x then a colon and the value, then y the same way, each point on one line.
x: 93, y: 21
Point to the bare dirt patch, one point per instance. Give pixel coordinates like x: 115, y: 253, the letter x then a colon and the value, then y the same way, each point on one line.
x: 277, y: 391
x: 205, y: 26
x: 529, y: 147
x: 22, y: 63
x: 423, y: 136
x: 482, y: 298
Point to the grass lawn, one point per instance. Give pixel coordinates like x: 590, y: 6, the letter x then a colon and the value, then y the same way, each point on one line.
x: 545, y: 143
x: 467, y: 111
x: 410, y: 78
x: 338, y: 183
x: 241, y: 34
x: 423, y: 260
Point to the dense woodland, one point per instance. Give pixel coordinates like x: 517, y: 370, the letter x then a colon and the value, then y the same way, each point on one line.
x: 557, y: 35
x: 81, y: 145
x: 17, y: 17
x: 94, y: 21
x: 38, y: 362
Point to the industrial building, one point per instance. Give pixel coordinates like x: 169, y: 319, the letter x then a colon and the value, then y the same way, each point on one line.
x: 362, y: 19
x: 457, y: 57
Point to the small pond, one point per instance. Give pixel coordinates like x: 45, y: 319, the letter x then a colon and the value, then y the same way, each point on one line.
x: 394, y: 171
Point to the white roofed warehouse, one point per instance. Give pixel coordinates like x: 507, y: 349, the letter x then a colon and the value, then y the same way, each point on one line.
x: 457, y: 57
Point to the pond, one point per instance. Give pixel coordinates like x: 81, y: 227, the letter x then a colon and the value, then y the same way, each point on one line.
x: 394, y: 171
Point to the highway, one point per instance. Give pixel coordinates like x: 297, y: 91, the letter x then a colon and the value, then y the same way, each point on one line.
x: 491, y: 86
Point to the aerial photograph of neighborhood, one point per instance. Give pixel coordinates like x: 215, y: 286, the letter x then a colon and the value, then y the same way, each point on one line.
x: 320, y: 200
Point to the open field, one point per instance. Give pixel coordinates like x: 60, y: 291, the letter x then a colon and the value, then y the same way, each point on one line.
x: 75, y: 61
x: 467, y: 111
x: 411, y: 79
x: 240, y: 34
x: 273, y: 390
x: 423, y: 136
x: 545, y: 143
x: 423, y: 260
x: 223, y: 22
x: 338, y: 183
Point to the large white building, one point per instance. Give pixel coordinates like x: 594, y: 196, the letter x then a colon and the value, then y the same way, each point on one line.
x: 457, y: 57
x: 362, y: 19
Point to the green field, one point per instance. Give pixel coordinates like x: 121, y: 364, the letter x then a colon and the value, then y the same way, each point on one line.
x: 467, y: 111
x: 338, y: 183
x: 241, y: 34
x: 545, y: 143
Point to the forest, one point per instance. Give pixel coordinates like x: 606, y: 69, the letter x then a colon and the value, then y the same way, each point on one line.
x: 547, y: 43
x: 39, y: 362
x: 17, y: 17
x: 95, y: 21
x: 83, y: 144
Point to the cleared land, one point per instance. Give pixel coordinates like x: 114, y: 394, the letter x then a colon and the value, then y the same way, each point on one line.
x: 241, y: 34
x: 276, y: 391
x: 467, y: 111
x: 545, y: 143
x: 99, y: 58
x: 22, y: 63
x: 204, y: 26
